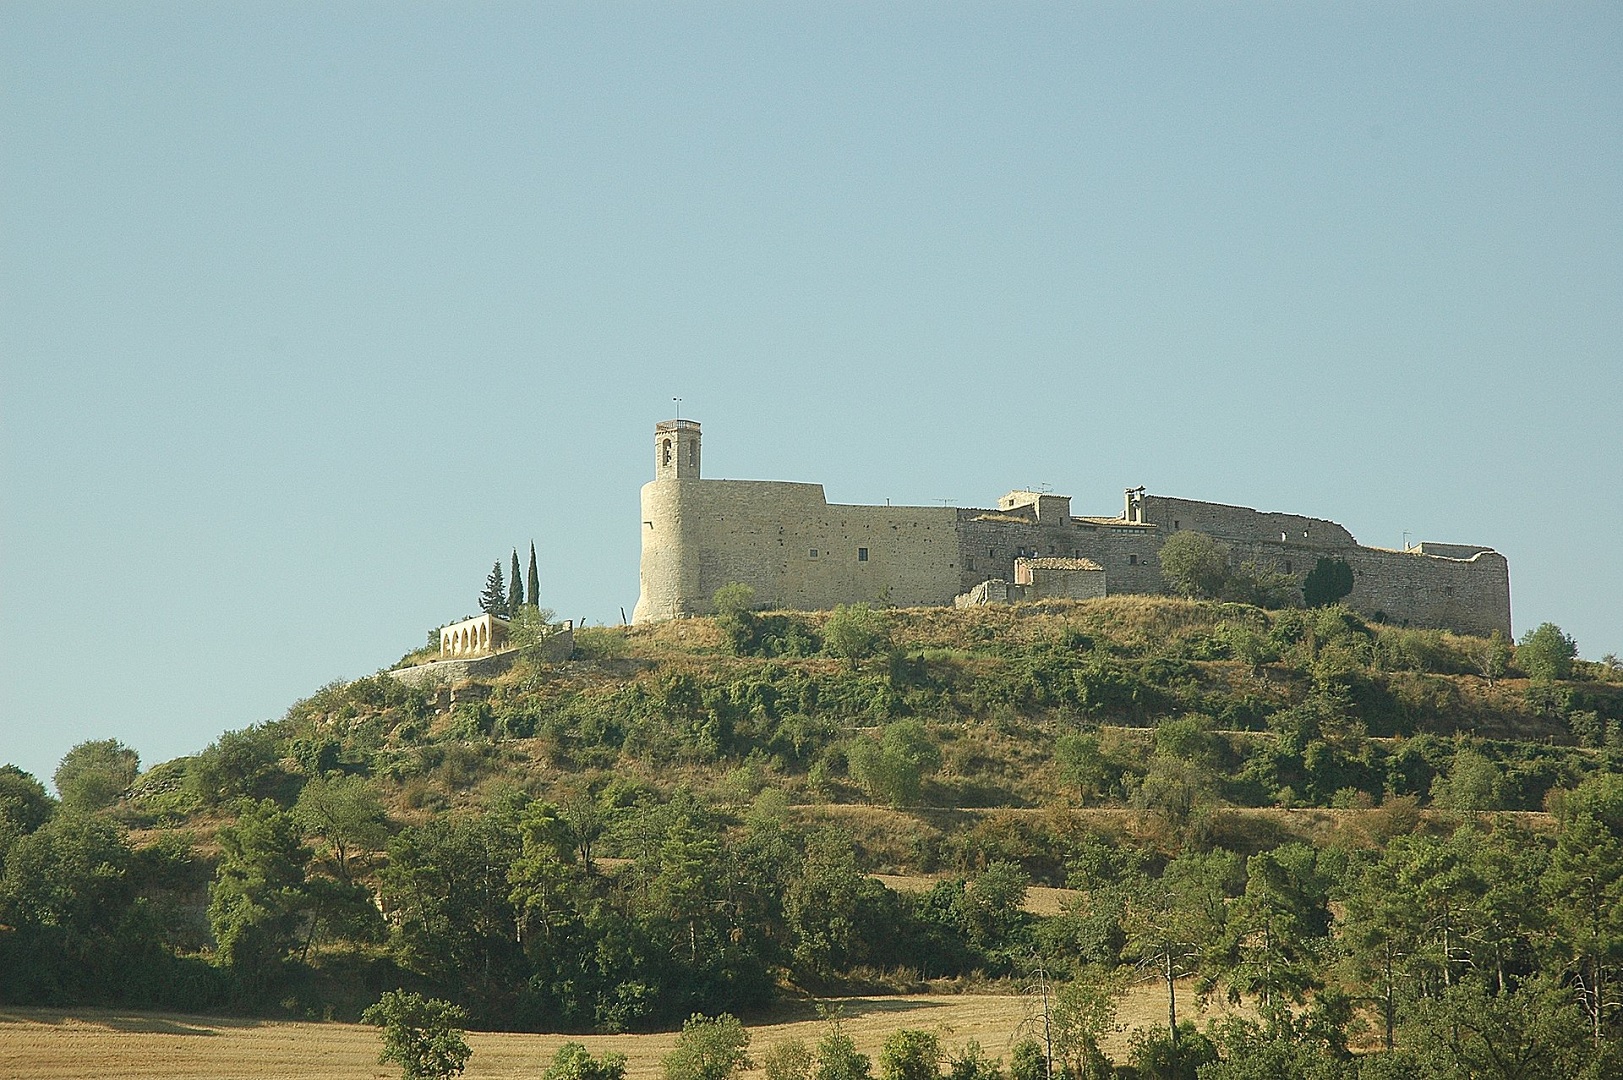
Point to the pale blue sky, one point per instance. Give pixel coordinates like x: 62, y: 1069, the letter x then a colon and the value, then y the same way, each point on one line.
x: 309, y: 312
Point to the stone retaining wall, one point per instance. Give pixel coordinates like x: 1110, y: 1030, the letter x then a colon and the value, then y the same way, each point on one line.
x: 555, y: 649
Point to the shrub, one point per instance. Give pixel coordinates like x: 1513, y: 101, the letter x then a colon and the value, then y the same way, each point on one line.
x: 790, y: 1059
x: 856, y: 632
x: 574, y: 1062
x: 709, y: 1049
x: 94, y: 774
x: 1195, y: 565
x: 421, y: 1035
x: 1546, y: 653
x: 910, y: 1054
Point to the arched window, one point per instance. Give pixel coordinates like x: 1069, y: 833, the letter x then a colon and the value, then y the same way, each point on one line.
x: 667, y: 457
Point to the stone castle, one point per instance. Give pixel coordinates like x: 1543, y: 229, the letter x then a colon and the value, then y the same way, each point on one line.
x: 798, y: 551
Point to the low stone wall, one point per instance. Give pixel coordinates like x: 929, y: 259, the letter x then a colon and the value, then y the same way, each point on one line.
x: 555, y: 649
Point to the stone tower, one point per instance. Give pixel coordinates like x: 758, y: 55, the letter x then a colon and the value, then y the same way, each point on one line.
x: 676, y: 450
x: 670, y: 555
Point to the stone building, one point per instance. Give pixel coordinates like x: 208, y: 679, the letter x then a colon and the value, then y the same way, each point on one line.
x: 472, y: 637
x: 799, y: 551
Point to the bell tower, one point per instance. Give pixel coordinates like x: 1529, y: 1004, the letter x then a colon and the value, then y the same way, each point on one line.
x: 676, y: 450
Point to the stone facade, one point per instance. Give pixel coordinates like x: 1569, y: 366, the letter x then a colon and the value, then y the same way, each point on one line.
x: 798, y: 551
x: 471, y: 637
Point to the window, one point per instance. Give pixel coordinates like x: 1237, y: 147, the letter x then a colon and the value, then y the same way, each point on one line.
x: 991, y: 553
x: 1175, y: 524
x: 1132, y: 560
x: 667, y: 457
x: 812, y: 553
x: 1287, y: 566
x: 862, y: 554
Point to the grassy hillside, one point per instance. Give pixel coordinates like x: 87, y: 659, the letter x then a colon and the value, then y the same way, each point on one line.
x: 690, y: 816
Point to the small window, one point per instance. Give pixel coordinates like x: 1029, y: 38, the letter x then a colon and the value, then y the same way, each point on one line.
x: 971, y: 564
x: 1132, y: 560
x: 1175, y: 524
x: 991, y: 553
x: 1287, y: 566
x: 812, y: 553
x: 667, y: 460
x: 862, y: 554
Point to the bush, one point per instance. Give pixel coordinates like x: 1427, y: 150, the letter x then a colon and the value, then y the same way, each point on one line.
x: 421, y: 1035
x: 910, y: 1054
x: 856, y: 632
x: 709, y: 1049
x: 94, y: 774
x: 1546, y: 653
x: 574, y: 1062
x: 790, y: 1059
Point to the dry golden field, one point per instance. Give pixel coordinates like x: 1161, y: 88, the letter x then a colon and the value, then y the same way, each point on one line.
x: 99, y: 1044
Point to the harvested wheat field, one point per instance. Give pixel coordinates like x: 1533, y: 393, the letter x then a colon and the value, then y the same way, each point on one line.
x: 98, y: 1044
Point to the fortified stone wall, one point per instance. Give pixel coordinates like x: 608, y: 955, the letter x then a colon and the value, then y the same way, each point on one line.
x: 798, y: 551
x: 1242, y: 523
x: 788, y: 543
x: 989, y: 541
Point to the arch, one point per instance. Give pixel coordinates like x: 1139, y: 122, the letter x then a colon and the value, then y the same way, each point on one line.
x: 666, y: 458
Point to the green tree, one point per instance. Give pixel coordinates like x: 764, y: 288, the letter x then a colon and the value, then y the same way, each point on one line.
x: 423, y: 1036
x: 1083, y: 765
x: 893, y: 766
x: 532, y: 594
x: 574, y: 1062
x: 735, y: 615
x: 493, y: 601
x: 789, y: 1059
x: 1083, y: 1014
x: 1584, y: 884
x: 1383, y: 932
x: 910, y: 1054
x: 24, y: 807
x: 515, y: 587
x: 709, y: 1049
x: 1328, y: 581
x: 1194, y: 564
x: 1170, y: 924
x: 1027, y: 1061
x: 1531, y: 1033
x: 972, y: 1063
x: 1492, y: 656
x: 258, y: 897
x: 855, y: 632
x: 65, y: 898
x: 447, y: 882
x: 837, y: 1054
x: 823, y: 905
x: 1473, y: 784
x: 94, y: 774
x: 1276, y: 931
x: 1546, y: 653
x: 345, y: 812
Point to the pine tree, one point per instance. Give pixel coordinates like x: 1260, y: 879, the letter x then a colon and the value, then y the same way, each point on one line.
x: 515, y: 589
x: 533, y: 596
x: 493, y: 601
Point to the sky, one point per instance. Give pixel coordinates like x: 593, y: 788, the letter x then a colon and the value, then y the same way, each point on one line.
x: 309, y: 312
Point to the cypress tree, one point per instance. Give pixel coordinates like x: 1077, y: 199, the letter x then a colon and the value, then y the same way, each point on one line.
x: 493, y: 601
x: 534, y: 591
x: 515, y: 589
